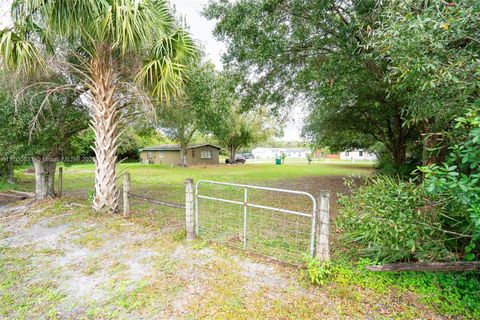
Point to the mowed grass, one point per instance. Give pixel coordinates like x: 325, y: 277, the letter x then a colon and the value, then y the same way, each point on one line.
x: 141, y: 266
x: 277, y: 235
x: 272, y: 234
x: 79, y: 178
x: 251, y: 173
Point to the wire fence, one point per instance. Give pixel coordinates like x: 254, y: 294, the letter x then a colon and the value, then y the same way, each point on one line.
x: 160, y: 203
x: 280, y: 235
x: 286, y: 233
x: 163, y: 203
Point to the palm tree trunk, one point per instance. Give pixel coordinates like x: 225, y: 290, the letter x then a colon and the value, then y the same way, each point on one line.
x: 104, y: 121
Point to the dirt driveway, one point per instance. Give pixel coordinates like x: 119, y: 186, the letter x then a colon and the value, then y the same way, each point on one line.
x: 62, y: 262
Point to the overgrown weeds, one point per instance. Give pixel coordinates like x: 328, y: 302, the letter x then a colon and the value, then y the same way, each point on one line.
x: 451, y: 294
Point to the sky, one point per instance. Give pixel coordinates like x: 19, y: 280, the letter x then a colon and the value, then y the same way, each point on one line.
x: 202, y: 30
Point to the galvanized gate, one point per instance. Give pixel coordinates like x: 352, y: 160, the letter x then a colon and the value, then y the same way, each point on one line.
x: 270, y: 230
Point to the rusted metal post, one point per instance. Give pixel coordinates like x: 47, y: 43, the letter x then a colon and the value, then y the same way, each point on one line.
x: 323, y: 227
x: 126, y: 190
x: 189, y: 220
x: 60, y: 181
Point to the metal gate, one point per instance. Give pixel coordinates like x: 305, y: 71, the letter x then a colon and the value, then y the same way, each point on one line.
x: 270, y: 230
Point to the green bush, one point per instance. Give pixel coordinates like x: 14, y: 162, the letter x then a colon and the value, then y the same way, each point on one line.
x: 394, y: 220
x: 318, y: 271
x: 458, y: 178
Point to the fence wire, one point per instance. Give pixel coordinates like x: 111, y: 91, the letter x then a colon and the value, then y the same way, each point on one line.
x: 163, y: 216
x: 81, y: 186
x: 278, y: 235
x: 283, y: 236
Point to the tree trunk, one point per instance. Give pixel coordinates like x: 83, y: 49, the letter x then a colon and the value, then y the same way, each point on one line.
x: 10, y: 174
x: 104, y: 121
x: 400, y: 145
x: 231, y: 153
x: 3, y: 170
x: 400, y: 154
x: 44, y: 178
x: 183, y: 155
x: 433, y: 149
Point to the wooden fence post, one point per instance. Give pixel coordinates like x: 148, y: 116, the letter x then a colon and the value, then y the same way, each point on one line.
x: 126, y: 190
x: 60, y: 181
x: 189, y: 220
x: 323, y: 224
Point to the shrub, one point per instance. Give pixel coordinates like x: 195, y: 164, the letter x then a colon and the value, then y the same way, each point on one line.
x: 318, y: 271
x: 458, y: 178
x: 394, y: 220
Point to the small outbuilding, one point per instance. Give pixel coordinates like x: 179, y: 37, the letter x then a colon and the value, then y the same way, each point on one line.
x: 358, y: 154
x: 202, y: 153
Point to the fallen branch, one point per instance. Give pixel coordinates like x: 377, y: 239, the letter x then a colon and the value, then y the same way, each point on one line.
x: 12, y: 212
x: 23, y: 193
x: 12, y: 216
x: 429, y: 266
x: 12, y: 195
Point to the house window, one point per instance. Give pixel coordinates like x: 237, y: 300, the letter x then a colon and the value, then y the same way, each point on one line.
x: 360, y: 153
x: 206, y: 154
x: 149, y: 154
x: 161, y: 154
x: 347, y: 153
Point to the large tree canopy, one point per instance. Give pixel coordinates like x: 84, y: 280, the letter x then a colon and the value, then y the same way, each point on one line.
x: 315, y: 51
x: 368, y: 71
x: 110, y: 49
x: 433, y: 50
x: 190, y: 112
x: 230, y: 118
x: 46, y: 137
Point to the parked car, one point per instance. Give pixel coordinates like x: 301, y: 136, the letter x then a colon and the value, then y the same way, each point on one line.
x: 246, y: 155
x: 239, y: 158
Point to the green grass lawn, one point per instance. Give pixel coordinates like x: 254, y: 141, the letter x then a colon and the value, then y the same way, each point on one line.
x: 79, y: 178
x: 63, y: 261
x: 250, y: 172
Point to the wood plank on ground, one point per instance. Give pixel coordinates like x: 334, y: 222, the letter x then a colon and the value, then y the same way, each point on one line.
x: 429, y: 266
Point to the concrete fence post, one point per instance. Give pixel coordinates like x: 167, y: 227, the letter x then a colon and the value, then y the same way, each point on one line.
x: 126, y: 190
x: 323, y: 227
x: 189, y: 215
x: 60, y: 182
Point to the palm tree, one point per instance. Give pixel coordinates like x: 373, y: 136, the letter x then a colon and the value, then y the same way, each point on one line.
x: 112, y: 48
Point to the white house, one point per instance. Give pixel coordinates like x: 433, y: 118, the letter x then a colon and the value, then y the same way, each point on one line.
x: 272, y: 153
x: 359, y: 154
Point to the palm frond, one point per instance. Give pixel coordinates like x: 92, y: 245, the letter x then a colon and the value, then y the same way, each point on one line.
x: 165, y: 71
x: 132, y: 25
x: 19, y: 54
x: 162, y: 77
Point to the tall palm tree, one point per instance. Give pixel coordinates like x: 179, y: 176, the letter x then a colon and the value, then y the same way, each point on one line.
x: 112, y: 48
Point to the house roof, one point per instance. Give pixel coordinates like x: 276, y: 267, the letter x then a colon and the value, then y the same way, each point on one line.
x: 176, y: 147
